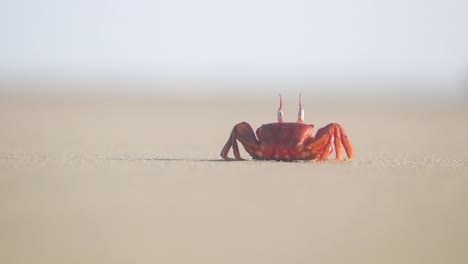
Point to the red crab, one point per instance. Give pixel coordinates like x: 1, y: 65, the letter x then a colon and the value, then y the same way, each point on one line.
x: 288, y: 141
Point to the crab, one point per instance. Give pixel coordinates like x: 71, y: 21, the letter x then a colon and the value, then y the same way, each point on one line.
x: 288, y: 141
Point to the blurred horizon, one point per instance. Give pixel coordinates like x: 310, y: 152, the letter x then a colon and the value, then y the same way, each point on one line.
x: 368, y: 47
x: 339, y: 91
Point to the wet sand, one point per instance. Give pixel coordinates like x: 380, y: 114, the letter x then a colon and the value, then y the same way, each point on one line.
x: 139, y: 180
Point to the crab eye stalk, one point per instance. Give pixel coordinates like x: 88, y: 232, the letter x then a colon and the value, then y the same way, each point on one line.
x: 300, y: 114
x: 280, y: 110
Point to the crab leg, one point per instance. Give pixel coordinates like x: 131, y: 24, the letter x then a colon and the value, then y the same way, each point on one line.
x: 329, y: 147
x: 329, y: 138
x: 227, y: 147
x: 245, y: 134
x: 235, y: 148
x: 346, y: 144
x: 338, y: 144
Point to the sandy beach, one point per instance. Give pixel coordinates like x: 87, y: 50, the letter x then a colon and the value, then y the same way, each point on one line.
x: 138, y: 179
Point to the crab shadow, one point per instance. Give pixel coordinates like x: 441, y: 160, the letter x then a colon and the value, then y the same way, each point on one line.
x: 163, y: 159
x: 160, y: 159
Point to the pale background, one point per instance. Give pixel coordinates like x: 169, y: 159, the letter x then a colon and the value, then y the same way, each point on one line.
x: 417, y: 44
x: 113, y: 114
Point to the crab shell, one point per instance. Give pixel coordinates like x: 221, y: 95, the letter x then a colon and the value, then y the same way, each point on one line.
x: 283, y: 141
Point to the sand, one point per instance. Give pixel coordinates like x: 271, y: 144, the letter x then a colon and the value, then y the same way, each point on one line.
x: 115, y: 179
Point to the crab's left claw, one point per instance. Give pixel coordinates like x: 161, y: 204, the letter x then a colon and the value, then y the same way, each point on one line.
x: 245, y: 134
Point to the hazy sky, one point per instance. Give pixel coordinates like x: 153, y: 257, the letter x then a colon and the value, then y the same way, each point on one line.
x: 203, y: 39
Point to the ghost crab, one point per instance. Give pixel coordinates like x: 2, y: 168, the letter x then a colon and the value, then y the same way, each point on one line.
x: 288, y: 141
